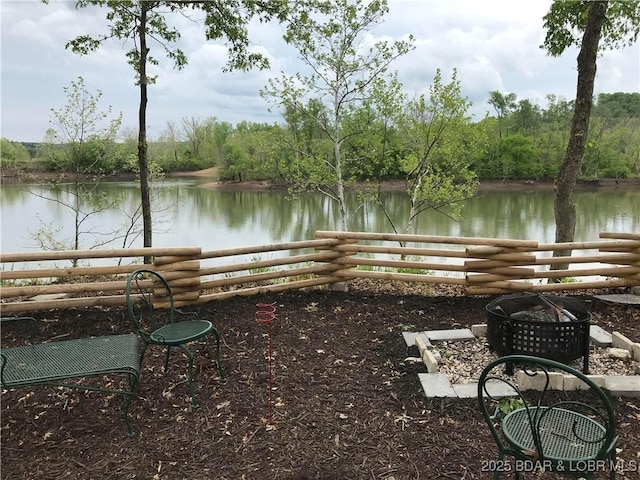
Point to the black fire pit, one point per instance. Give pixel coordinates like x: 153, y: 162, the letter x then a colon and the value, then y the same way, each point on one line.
x: 544, y: 326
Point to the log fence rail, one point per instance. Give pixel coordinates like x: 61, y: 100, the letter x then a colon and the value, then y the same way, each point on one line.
x: 484, y: 266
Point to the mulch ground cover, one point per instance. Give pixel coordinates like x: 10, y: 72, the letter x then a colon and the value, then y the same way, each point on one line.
x: 344, y: 403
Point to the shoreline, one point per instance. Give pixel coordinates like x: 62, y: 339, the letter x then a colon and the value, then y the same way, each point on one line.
x: 484, y: 186
x: 12, y: 178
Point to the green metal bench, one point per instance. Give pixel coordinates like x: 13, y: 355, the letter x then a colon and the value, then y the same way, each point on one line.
x: 64, y: 363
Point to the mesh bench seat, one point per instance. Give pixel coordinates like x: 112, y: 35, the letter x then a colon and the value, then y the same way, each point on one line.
x: 57, y: 363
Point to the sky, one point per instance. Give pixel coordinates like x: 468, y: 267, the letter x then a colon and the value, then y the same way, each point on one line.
x: 493, y: 45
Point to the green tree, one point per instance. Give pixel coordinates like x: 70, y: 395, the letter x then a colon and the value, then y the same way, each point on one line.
x: 441, y: 144
x: 83, y: 133
x: 519, y: 157
x: 142, y: 21
x: 554, y: 133
x: 503, y: 104
x: 193, y: 132
x: 80, y: 138
x: 345, y: 66
x: 526, y: 118
x: 583, y: 23
x: 618, y: 104
x: 13, y: 154
x: 214, y: 135
x: 374, y: 147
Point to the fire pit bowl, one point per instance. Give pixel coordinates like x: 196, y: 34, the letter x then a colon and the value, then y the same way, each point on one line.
x: 544, y: 326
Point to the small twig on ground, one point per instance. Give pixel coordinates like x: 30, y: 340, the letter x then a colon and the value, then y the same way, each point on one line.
x: 246, y: 441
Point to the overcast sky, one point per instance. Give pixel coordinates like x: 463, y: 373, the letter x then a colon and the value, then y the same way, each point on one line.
x: 494, y: 45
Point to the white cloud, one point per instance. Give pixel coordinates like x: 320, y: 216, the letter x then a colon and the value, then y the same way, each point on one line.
x: 493, y: 45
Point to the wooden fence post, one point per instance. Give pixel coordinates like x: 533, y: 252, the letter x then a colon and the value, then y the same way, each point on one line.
x: 182, y: 273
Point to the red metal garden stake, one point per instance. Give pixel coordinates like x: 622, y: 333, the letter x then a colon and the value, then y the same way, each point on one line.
x: 266, y: 314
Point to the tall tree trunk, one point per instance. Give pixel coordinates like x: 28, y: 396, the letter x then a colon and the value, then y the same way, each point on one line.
x: 564, y: 206
x: 142, y: 133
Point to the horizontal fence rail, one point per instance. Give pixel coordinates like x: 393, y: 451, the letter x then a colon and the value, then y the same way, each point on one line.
x: 483, y: 266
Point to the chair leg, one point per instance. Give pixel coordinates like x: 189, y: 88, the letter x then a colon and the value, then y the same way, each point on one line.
x: 194, y: 402
x: 133, y: 386
x: 612, y: 463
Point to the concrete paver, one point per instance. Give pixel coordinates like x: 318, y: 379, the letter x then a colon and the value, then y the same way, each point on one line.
x: 450, y: 335
x: 436, y: 385
x: 410, y: 338
x: 623, y: 386
x: 599, y: 336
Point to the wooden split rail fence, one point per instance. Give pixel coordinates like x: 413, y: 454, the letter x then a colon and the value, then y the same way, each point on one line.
x: 484, y: 266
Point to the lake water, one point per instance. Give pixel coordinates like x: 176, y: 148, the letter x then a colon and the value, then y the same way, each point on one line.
x: 188, y: 215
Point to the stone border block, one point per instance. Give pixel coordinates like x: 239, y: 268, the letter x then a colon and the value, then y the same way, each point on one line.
x: 479, y: 330
x: 538, y: 381
x: 422, y: 343
x: 429, y: 359
x: 620, y: 341
x: 438, y: 385
x: 574, y: 383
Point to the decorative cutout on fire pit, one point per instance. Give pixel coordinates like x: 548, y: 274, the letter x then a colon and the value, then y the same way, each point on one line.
x: 545, y: 326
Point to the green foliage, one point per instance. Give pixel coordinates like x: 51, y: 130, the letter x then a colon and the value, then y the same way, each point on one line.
x: 503, y: 105
x: 82, y: 137
x: 346, y: 66
x: 48, y: 237
x: 295, y: 151
x: 258, y: 258
x: 341, y: 122
x: 618, y: 105
x: 405, y: 327
x: 13, y: 154
x: 517, y: 157
x: 569, y: 280
x: 536, y: 146
x: 566, y: 21
x: 440, y: 145
x: 509, y: 404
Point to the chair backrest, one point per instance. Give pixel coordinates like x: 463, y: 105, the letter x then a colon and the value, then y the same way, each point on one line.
x: 146, y: 290
x: 495, y: 386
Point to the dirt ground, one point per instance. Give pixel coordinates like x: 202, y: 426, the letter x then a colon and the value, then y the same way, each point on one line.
x: 345, y: 404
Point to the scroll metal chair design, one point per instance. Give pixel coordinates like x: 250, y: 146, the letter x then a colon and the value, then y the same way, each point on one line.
x: 145, y: 291
x: 546, y: 430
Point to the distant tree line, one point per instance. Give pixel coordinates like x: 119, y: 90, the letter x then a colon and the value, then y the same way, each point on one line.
x: 523, y: 141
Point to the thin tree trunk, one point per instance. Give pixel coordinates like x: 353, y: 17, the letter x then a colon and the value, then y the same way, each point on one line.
x: 142, y: 134
x: 564, y: 206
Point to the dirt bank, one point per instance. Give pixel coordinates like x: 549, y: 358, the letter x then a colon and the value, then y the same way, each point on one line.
x: 485, y: 185
x: 9, y: 177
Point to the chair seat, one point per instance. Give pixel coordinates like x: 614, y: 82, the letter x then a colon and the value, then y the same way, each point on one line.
x: 181, y: 332
x: 564, y: 434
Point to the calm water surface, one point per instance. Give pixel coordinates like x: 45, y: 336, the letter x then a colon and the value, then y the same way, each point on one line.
x: 187, y: 214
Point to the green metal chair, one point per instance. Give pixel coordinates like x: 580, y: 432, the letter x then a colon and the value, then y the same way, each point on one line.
x: 146, y: 290
x: 539, y: 429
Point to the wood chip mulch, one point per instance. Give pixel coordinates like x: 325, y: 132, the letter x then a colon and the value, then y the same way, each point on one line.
x: 344, y: 404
